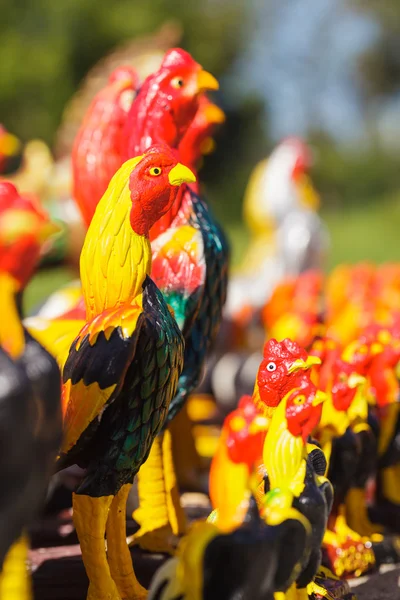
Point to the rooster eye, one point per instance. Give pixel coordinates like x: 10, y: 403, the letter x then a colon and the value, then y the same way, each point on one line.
x: 155, y: 171
x: 271, y: 366
x: 177, y: 82
x: 299, y: 400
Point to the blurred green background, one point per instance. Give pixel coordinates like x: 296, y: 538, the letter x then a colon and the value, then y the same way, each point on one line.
x: 327, y: 70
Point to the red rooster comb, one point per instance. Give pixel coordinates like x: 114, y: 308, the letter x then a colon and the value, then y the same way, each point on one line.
x: 124, y: 73
x: 285, y: 349
x: 176, y: 57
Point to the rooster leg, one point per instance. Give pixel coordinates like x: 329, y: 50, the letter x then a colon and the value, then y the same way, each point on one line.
x: 301, y: 594
x: 187, y: 461
x: 15, y: 581
x: 176, y: 514
x: 90, y: 518
x: 155, y: 533
x: 357, y: 514
x: 119, y: 557
x: 390, y: 477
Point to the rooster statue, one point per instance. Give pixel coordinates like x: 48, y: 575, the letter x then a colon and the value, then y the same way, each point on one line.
x: 288, y: 237
x: 189, y: 266
x: 285, y: 366
x: 123, y: 367
x: 30, y: 393
x: 264, y: 557
x: 96, y: 151
x: 163, y: 110
x: 294, y: 476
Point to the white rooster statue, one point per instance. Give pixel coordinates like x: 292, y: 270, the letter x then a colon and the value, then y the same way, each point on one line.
x: 287, y: 235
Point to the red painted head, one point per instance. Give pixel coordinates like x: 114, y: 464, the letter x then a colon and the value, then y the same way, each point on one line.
x: 154, y: 184
x: 345, y: 381
x: 245, y: 433
x: 302, y: 156
x: 197, y: 140
x: 166, y: 103
x: 24, y: 227
x: 285, y: 366
x: 303, y: 410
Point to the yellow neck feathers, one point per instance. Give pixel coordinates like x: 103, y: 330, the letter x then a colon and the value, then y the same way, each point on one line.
x: 114, y: 260
x: 284, y: 454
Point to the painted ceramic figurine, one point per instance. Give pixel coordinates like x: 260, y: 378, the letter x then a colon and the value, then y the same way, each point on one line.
x: 123, y: 367
x: 163, y: 111
x: 96, y: 153
x: 260, y: 559
x: 295, y: 478
x: 288, y: 237
x: 30, y: 393
x: 176, y: 87
x: 285, y: 366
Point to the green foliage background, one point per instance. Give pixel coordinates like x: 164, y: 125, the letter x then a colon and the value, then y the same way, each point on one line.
x: 47, y: 46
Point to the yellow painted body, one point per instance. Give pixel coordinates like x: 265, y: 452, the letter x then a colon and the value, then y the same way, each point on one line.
x: 15, y: 581
x: 160, y: 515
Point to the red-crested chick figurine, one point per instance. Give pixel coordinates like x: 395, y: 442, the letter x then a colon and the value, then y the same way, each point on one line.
x: 285, y: 366
x: 96, y: 153
x: 30, y: 391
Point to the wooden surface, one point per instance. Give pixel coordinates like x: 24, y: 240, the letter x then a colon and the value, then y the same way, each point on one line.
x: 58, y: 572
x: 57, y: 569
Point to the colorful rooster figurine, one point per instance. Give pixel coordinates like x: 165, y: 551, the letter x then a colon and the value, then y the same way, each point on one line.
x: 292, y: 476
x: 96, y: 153
x: 287, y: 235
x: 189, y: 267
x: 30, y: 393
x: 163, y: 110
x: 285, y: 366
x: 263, y: 557
x: 122, y: 369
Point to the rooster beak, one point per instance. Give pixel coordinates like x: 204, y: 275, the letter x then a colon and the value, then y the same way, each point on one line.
x: 9, y: 144
x: 180, y: 174
x: 214, y: 114
x: 304, y: 364
x: 355, y: 380
x: 320, y: 397
x: 48, y: 230
x: 206, y: 81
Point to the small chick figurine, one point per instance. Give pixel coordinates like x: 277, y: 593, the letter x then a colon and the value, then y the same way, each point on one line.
x: 30, y: 391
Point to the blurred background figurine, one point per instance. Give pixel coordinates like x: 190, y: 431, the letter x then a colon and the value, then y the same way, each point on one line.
x: 30, y: 392
x: 287, y: 235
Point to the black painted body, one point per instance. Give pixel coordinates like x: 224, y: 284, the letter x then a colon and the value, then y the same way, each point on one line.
x: 145, y: 368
